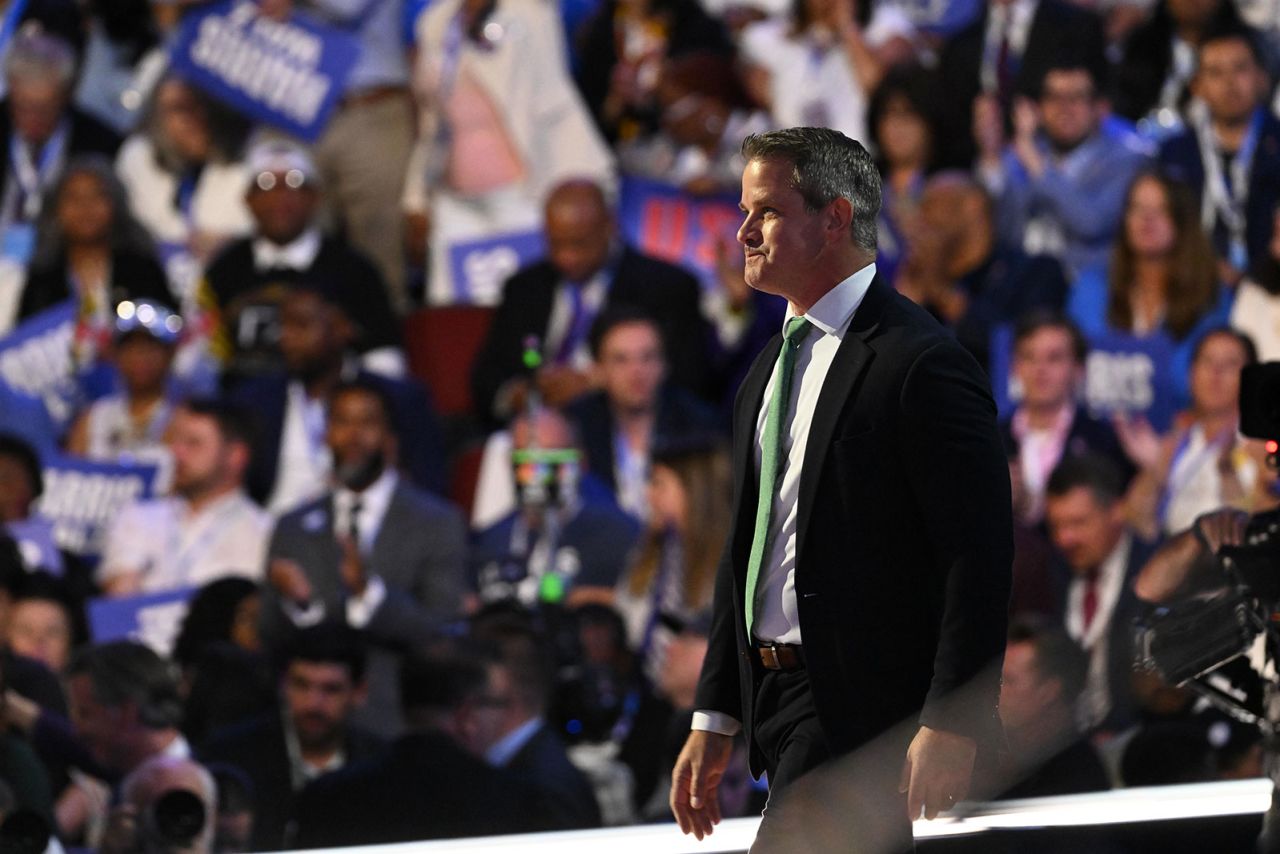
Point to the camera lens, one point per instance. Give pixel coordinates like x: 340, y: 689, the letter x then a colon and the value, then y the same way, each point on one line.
x: 24, y: 831
x: 178, y: 817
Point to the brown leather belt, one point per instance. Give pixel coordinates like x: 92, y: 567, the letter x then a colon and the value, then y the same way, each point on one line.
x: 781, y: 656
x: 373, y: 95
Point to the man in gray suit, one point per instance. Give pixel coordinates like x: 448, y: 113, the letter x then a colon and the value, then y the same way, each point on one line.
x: 374, y: 552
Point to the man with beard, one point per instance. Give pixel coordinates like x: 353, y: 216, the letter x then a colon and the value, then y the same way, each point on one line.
x: 321, y: 686
x: 207, y: 528
x: 374, y: 552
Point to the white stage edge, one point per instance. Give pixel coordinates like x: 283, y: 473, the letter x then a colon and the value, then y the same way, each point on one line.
x: 1121, y: 806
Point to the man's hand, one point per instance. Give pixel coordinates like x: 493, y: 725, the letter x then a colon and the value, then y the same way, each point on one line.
x: 289, y: 580
x: 1218, y: 528
x: 937, y: 771
x: 695, y: 781
x: 1026, y: 122
x: 988, y: 128
x: 558, y: 384
x: 351, y: 569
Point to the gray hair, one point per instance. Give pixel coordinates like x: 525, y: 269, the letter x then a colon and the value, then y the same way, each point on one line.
x: 826, y: 165
x: 36, y: 55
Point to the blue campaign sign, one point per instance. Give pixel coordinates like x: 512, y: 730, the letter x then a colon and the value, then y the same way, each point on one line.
x: 479, y: 267
x: 151, y: 618
x: 671, y: 224
x: 36, y: 359
x: 82, y: 497
x: 1131, y: 375
x: 289, y: 74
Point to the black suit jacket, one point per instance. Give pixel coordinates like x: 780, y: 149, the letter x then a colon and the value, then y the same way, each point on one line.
x: 903, y: 541
x: 543, y: 762
x: 258, y: 748
x: 86, y: 135
x: 133, y: 276
x: 1058, y: 30
x: 424, y: 787
x: 1087, y: 435
x: 665, y: 291
x: 420, y: 443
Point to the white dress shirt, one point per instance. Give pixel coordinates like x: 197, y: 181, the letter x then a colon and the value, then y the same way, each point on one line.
x: 302, y: 473
x: 298, y: 255
x: 1017, y: 17
x: 173, y: 547
x: 1095, y: 702
x: 777, y: 615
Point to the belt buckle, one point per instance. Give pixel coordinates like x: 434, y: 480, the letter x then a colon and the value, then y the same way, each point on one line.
x: 769, y: 657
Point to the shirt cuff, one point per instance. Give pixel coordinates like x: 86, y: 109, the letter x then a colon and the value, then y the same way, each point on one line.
x: 360, y: 609
x: 304, y: 616
x: 709, y: 721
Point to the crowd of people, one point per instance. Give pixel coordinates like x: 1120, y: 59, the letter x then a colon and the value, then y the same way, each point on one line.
x: 366, y: 593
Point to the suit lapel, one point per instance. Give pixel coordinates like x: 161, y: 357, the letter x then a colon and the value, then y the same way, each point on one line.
x: 850, y: 361
x: 383, y: 545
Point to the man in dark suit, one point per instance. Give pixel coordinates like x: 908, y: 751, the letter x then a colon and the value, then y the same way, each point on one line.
x: 1097, y: 559
x: 881, y: 529
x: 290, y: 463
x: 635, y: 408
x: 430, y: 784
x: 554, y: 301
x: 375, y: 552
x: 40, y: 129
x: 1232, y: 160
x: 321, y: 685
x: 1003, y: 55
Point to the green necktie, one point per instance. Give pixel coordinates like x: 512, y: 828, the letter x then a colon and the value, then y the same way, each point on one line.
x: 771, y: 455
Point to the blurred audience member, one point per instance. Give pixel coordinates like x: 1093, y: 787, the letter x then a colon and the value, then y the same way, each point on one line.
x: 321, y: 684
x: 703, y: 113
x: 207, y: 528
x: 246, y: 279
x: 89, y: 248
x: 671, y: 577
x: 1059, y: 183
x: 121, y: 42
x: 233, y: 833
x: 1097, y: 557
x: 901, y: 127
x: 131, y: 425
x: 1044, y: 673
x: 1256, y: 311
x: 1167, y: 754
x: 1203, y: 463
x: 42, y: 129
x: 1152, y: 80
x: 551, y: 305
x: 224, y: 610
x: 366, y: 144
x: 374, y: 552
x: 291, y: 463
x: 566, y: 533
x: 1049, y: 423
x: 1002, y: 56
x: 957, y: 268
x: 21, y: 483
x: 167, y: 804
x: 512, y: 731
x: 437, y: 767
x: 501, y: 124
x: 45, y: 623
x: 1162, y: 280
x: 224, y: 685
x: 1230, y: 153
x: 818, y: 66
x: 186, y: 178
x: 635, y: 408
x: 621, y: 50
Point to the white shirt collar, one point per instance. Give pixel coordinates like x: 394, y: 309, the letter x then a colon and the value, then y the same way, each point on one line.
x: 298, y: 255
x: 374, y: 501
x: 833, y: 312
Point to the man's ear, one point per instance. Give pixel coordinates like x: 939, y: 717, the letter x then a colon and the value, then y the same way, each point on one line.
x: 839, y: 219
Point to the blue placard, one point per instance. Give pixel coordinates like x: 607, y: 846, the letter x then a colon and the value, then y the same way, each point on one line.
x: 1131, y: 375
x: 82, y: 498
x: 479, y: 267
x: 289, y: 74
x: 665, y: 221
x: 151, y: 618
x: 36, y: 359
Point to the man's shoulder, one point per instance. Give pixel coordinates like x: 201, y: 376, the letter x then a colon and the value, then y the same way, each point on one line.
x: 419, y: 502
x: 236, y: 258
x: 311, y: 517
x: 635, y: 267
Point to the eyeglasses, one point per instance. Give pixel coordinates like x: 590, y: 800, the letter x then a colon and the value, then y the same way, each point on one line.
x: 293, y: 180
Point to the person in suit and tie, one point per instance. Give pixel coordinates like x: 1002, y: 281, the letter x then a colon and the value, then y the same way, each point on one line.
x: 867, y: 575
x: 374, y: 552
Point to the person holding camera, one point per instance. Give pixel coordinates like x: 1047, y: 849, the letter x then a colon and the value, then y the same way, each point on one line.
x: 168, y: 805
